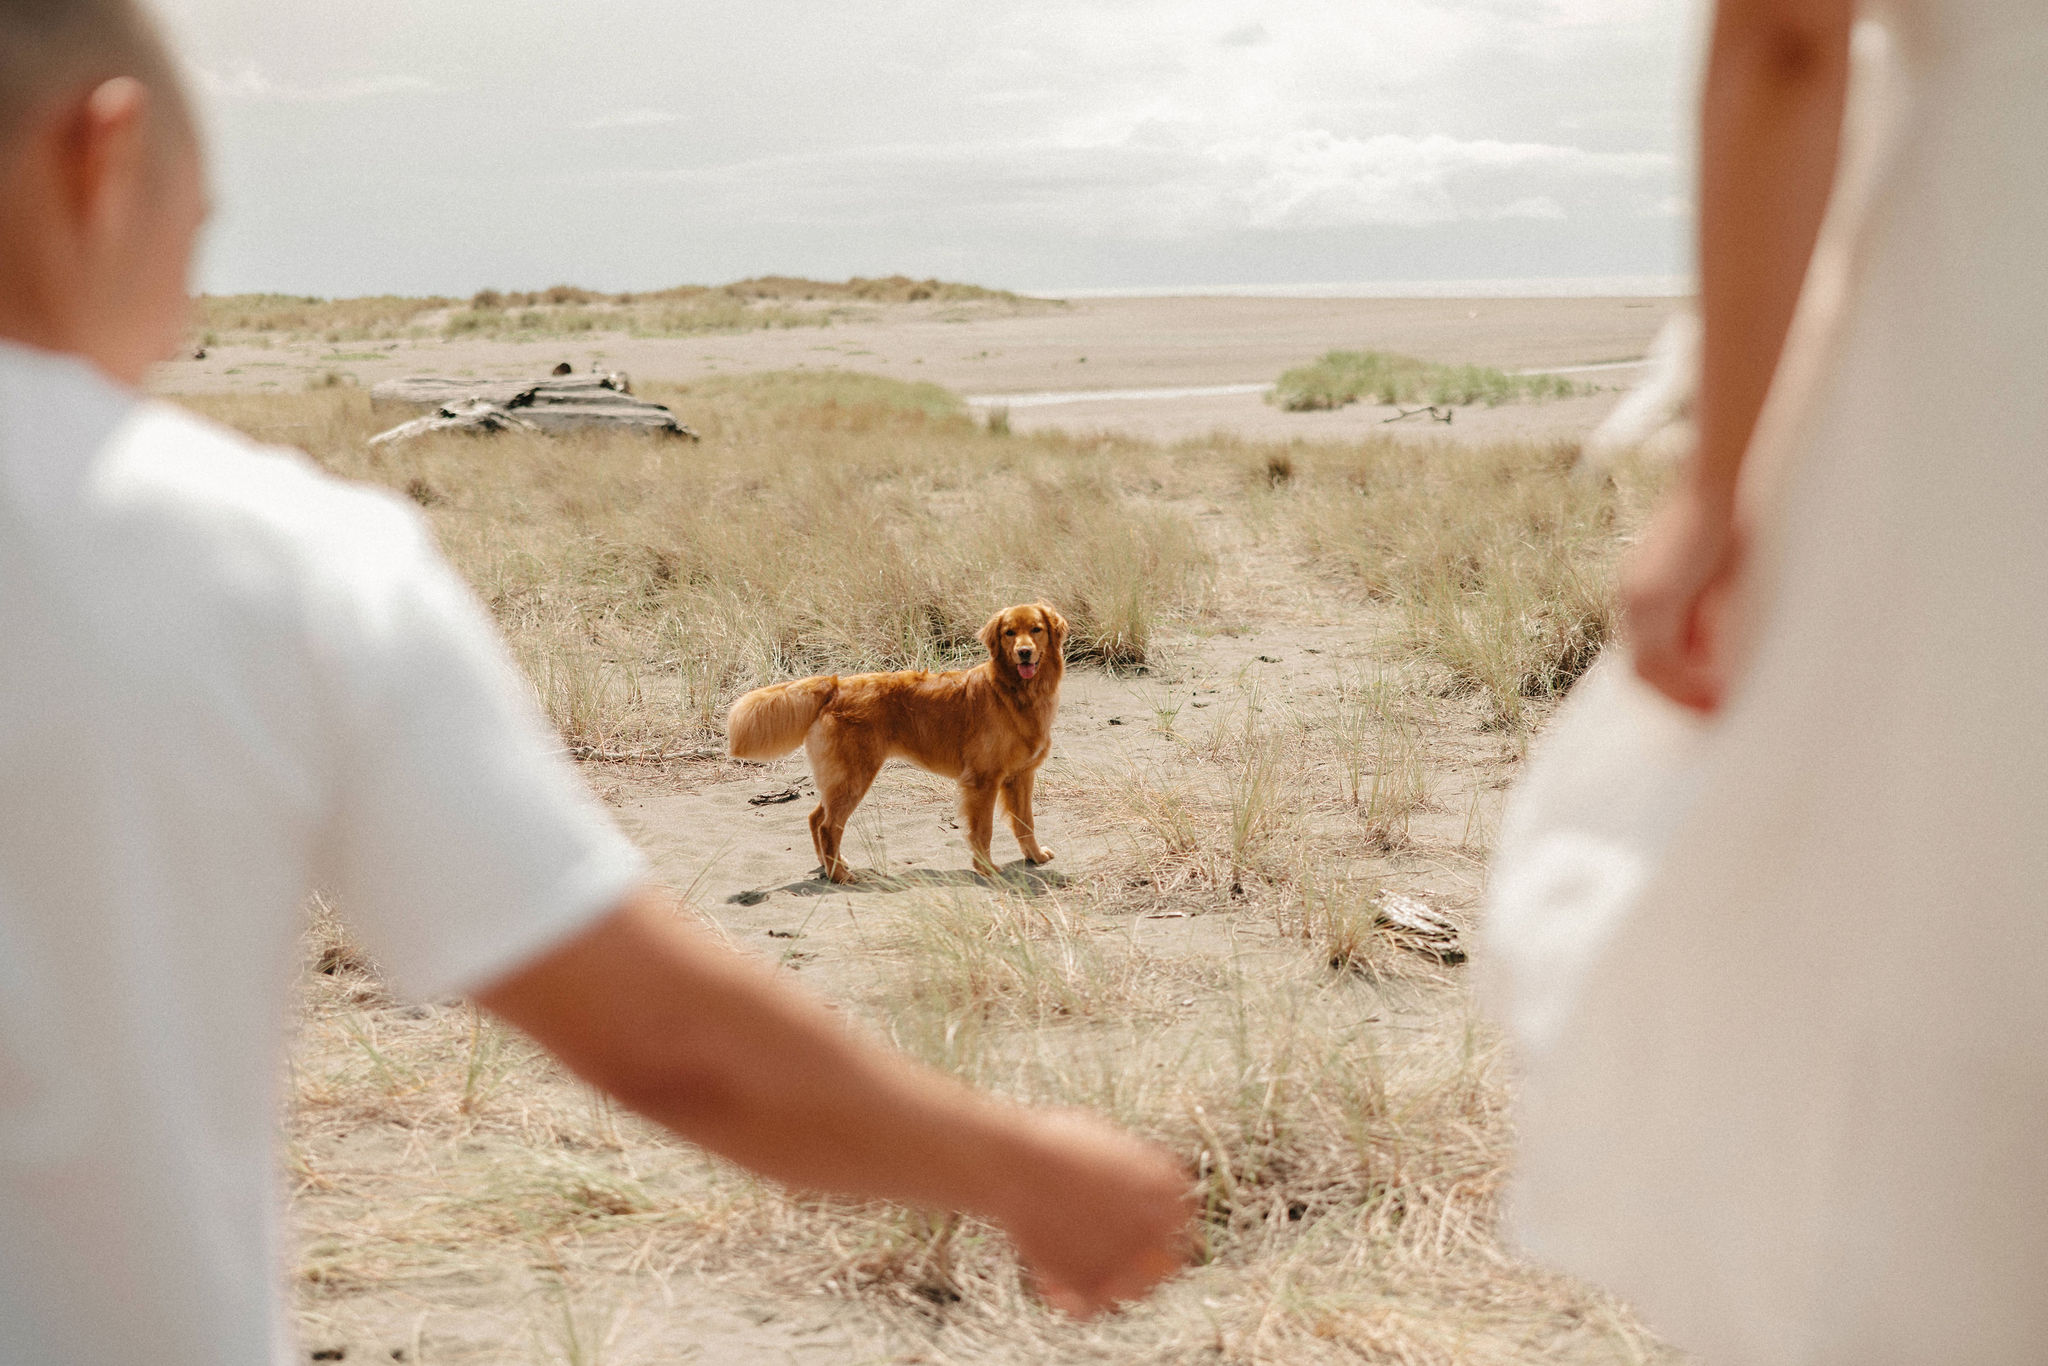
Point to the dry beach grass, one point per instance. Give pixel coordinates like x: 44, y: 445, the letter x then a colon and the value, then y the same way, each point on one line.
x: 1303, y: 676
x: 569, y: 310
x: 826, y: 522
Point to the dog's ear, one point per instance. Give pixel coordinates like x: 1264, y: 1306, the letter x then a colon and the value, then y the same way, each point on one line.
x: 993, y: 632
x: 1055, y: 628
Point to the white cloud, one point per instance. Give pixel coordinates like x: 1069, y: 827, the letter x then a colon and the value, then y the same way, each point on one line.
x: 249, y: 85
x: 1539, y: 208
x: 1315, y: 179
x: 1154, y: 180
x: 1590, y: 13
x: 633, y: 118
x: 1037, y: 94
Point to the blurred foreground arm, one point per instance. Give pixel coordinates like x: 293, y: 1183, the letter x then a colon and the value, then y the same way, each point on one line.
x: 1771, y: 123
x: 715, y: 1047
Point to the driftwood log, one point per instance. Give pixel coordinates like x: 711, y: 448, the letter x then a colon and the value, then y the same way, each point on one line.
x: 1436, y: 414
x: 478, y: 416
x: 1414, y: 925
x: 552, y: 405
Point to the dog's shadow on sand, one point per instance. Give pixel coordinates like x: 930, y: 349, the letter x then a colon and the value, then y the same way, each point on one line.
x: 1023, y: 877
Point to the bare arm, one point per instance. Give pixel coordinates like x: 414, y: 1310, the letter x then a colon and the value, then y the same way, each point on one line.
x: 1771, y: 122
x: 1771, y: 125
x: 718, y: 1049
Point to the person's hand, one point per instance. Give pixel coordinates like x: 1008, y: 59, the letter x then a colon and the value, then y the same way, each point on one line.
x: 1099, y: 1217
x: 1675, y: 592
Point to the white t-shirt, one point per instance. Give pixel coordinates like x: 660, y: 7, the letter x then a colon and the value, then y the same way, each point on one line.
x: 225, y: 678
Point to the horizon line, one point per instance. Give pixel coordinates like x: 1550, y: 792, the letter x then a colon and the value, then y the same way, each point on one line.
x: 1496, y: 287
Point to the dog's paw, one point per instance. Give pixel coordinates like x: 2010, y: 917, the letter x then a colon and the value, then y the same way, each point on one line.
x: 1044, y: 855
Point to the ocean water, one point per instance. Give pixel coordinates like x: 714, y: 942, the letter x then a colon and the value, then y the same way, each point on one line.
x: 1525, y: 287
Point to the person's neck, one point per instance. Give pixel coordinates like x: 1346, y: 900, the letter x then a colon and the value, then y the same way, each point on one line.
x: 27, y: 328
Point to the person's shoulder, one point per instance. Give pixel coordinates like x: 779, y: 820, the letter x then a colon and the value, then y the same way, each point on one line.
x: 198, y: 480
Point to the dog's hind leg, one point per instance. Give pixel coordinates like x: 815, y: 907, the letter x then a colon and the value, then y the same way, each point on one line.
x: 825, y: 858
x: 845, y: 770
x: 1017, y: 806
x: 978, y: 814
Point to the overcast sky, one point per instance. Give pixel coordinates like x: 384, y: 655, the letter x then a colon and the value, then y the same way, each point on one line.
x: 444, y: 145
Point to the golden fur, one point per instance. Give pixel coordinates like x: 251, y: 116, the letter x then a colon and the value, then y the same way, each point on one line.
x: 988, y: 727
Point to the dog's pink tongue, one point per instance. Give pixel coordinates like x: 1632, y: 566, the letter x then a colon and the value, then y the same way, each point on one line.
x: 1027, y: 671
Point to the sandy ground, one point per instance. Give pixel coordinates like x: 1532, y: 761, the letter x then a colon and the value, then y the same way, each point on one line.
x: 1093, y: 344
x: 1280, y: 646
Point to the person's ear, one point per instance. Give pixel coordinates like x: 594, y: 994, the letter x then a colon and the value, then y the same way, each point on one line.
x: 1055, y: 628
x: 106, y: 152
x: 992, y: 632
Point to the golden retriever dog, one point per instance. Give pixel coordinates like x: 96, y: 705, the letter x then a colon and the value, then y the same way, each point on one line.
x: 988, y: 727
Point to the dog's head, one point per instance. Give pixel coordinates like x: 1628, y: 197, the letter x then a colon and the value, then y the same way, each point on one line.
x: 1025, y: 639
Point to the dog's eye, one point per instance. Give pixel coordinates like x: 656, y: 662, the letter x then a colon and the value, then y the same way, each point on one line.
x: 1009, y: 633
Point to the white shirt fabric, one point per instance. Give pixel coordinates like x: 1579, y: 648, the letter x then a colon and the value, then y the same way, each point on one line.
x: 225, y: 679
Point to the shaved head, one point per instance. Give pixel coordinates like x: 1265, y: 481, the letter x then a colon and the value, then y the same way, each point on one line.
x: 54, y: 50
x: 102, y: 185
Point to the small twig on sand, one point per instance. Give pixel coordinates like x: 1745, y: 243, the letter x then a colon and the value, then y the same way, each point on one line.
x: 1436, y: 414
x: 595, y: 755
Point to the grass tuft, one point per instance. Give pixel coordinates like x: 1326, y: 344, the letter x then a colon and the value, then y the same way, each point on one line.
x: 1345, y: 377
x: 1499, y: 560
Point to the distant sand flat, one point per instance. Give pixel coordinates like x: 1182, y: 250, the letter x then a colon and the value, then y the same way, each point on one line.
x: 1059, y: 396
x: 1229, y: 346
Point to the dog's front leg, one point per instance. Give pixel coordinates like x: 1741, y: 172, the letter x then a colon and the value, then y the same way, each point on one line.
x: 978, y: 814
x: 1017, y: 803
x: 825, y: 839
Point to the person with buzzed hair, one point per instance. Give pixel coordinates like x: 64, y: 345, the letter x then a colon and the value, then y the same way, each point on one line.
x: 226, y: 678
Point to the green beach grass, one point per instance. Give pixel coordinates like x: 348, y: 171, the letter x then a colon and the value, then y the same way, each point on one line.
x: 1343, y: 377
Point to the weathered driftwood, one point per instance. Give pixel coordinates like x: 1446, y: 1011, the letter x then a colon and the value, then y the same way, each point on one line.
x: 475, y: 415
x: 1413, y: 925
x: 550, y: 405
x: 1436, y: 414
x: 428, y: 392
x: 559, y: 405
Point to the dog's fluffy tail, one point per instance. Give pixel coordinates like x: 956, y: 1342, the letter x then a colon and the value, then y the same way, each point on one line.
x: 770, y: 722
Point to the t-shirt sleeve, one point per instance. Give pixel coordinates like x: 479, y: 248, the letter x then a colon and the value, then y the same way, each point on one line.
x: 463, y: 843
